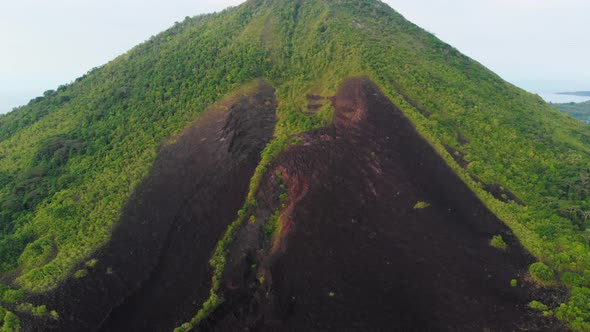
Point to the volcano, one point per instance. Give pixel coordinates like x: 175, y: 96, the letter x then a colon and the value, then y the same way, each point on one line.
x: 294, y: 165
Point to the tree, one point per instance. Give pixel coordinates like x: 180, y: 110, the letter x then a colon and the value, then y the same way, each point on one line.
x: 11, y: 323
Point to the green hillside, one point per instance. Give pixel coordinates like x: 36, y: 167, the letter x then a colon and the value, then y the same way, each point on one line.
x: 579, y: 111
x: 70, y: 159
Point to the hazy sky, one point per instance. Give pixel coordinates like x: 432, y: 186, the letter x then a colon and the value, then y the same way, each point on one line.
x: 537, y: 44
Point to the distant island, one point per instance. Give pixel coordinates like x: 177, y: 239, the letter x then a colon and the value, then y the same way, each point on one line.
x: 579, y: 111
x: 576, y: 93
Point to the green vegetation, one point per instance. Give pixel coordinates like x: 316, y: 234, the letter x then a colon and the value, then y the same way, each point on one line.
x: 53, y: 315
x: 10, y: 295
x: 81, y: 273
x: 498, y: 242
x: 421, y: 205
x: 91, y: 263
x: 513, y: 283
x: 15, y: 298
x: 252, y: 219
x: 272, y: 226
x: 24, y: 307
x: 39, y: 311
x: 11, y: 323
x: 577, y: 310
x: 540, y: 306
x: 541, y: 273
x: 71, y: 158
x: 580, y: 111
x: 536, y: 305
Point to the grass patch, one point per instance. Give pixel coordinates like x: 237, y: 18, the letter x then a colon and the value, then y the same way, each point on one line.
x: 421, y: 205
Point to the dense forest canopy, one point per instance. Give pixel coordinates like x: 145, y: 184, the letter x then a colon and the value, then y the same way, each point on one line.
x: 71, y: 158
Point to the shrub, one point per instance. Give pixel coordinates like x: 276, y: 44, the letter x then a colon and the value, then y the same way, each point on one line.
x: 536, y: 305
x: 24, y: 307
x: 39, y: 311
x: 11, y: 323
x: 273, y: 225
x: 498, y: 242
x: 421, y: 205
x: 284, y: 197
x: 13, y: 296
x: 513, y: 282
x: 91, y: 263
x: 81, y: 274
x: 577, y: 311
x: 53, y: 315
x: 541, y: 273
x: 184, y: 328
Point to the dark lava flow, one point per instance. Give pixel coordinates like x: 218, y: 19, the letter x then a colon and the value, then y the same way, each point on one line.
x: 154, y: 274
x: 356, y: 256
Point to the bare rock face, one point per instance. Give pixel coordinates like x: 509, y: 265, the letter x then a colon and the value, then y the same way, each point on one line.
x: 353, y: 253
x: 155, y: 272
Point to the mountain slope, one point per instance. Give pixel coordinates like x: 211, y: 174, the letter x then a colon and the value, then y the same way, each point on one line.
x: 72, y: 159
x: 355, y: 251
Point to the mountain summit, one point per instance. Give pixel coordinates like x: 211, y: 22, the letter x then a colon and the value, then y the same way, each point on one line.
x: 294, y: 166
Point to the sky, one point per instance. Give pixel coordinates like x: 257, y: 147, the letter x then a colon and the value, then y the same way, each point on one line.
x: 539, y: 45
